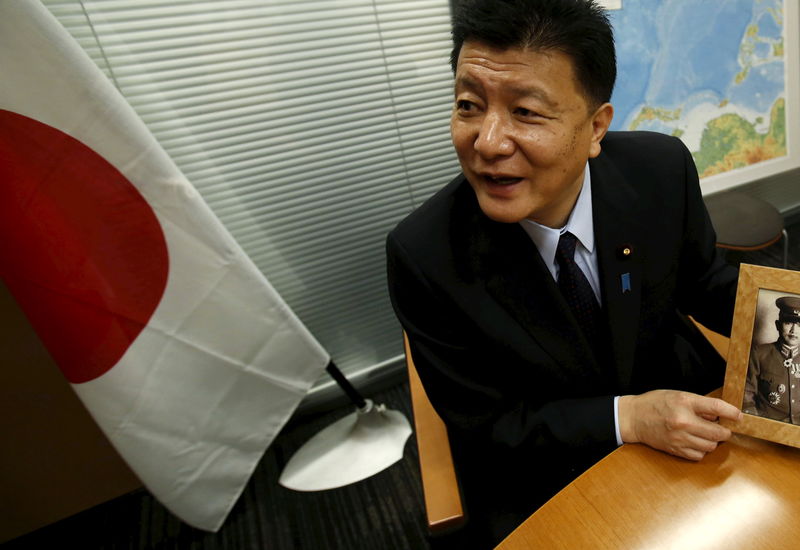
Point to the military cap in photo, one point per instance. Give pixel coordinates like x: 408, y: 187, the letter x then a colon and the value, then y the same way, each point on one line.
x: 789, y: 307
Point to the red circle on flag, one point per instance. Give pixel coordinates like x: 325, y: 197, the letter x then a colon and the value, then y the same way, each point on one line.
x: 81, y: 250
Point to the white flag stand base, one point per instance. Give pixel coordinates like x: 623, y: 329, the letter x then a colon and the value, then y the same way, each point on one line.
x: 351, y: 449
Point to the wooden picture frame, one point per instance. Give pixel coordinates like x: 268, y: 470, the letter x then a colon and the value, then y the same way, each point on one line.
x: 754, y: 324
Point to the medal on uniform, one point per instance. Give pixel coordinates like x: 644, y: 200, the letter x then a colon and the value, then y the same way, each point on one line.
x: 792, y: 366
x: 782, y: 388
x: 774, y: 398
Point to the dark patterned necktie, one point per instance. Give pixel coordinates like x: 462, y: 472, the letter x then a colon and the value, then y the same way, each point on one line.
x: 576, y: 289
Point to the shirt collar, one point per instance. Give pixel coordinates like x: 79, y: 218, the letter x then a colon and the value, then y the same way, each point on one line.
x: 580, y: 223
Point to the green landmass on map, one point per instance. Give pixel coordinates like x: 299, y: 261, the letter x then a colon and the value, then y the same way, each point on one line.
x: 655, y: 113
x: 731, y: 142
x: 777, y: 48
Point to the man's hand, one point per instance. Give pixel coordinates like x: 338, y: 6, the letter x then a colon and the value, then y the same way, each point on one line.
x: 680, y: 423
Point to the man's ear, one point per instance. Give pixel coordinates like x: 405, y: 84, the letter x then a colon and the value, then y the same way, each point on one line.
x: 601, y: 120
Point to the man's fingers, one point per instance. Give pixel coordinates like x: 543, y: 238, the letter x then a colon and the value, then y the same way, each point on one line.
x: 680, y: 423
x: 700, y: 444
x: 709, y: 431
x: 689, y: 453
x: 693, y: 448
x: 693, y: 417
x: 711, y: 406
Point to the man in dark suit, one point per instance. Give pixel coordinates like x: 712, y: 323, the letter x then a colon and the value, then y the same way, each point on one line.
x: 541, y: 289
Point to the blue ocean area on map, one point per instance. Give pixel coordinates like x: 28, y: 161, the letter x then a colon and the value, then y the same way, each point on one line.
x: 760, y: 89
x: 768, y: 27
x: 681, y: 54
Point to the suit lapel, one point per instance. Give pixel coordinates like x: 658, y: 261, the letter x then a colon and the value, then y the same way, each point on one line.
x: 517, y: 278
x: 614, y: 203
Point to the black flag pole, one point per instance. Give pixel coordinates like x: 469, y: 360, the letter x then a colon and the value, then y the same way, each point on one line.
x: 345, y: 384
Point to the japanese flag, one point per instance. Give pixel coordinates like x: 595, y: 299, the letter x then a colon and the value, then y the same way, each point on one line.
x: 178, y: 346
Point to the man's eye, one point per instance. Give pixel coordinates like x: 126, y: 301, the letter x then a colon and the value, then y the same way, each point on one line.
x: 527, y: 113
x: 464, y: 105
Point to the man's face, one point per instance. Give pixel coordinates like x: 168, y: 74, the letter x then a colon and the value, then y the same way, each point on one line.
x: 523, y: 132
x: 790, y: 332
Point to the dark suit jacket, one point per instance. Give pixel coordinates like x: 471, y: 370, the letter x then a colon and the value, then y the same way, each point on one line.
x: 498, y: 351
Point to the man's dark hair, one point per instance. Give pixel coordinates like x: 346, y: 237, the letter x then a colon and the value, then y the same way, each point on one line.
x: 578, y: 28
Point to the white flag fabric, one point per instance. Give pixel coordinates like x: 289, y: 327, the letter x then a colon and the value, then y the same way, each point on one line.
x: 183, y: 353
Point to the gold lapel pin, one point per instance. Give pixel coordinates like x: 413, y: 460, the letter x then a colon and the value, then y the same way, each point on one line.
x: 625, y: 251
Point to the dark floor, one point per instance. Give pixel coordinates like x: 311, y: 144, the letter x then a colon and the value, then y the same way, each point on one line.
x: 384, y: 512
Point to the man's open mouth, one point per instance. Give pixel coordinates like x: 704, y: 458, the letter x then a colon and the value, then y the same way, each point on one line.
x: 501, y: 180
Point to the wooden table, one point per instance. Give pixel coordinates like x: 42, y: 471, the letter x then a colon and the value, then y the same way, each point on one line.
x: 746, y: 494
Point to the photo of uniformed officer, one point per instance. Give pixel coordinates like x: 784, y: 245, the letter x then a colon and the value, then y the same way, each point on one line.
x: 772, y: 387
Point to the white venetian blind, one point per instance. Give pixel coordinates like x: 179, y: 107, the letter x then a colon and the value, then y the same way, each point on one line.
x: 310, y: 127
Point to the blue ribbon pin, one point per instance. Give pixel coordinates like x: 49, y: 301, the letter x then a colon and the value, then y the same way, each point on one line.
x: 625, y: 278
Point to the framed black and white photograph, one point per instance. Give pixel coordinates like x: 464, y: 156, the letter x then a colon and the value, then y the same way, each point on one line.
x: 763, y: 370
